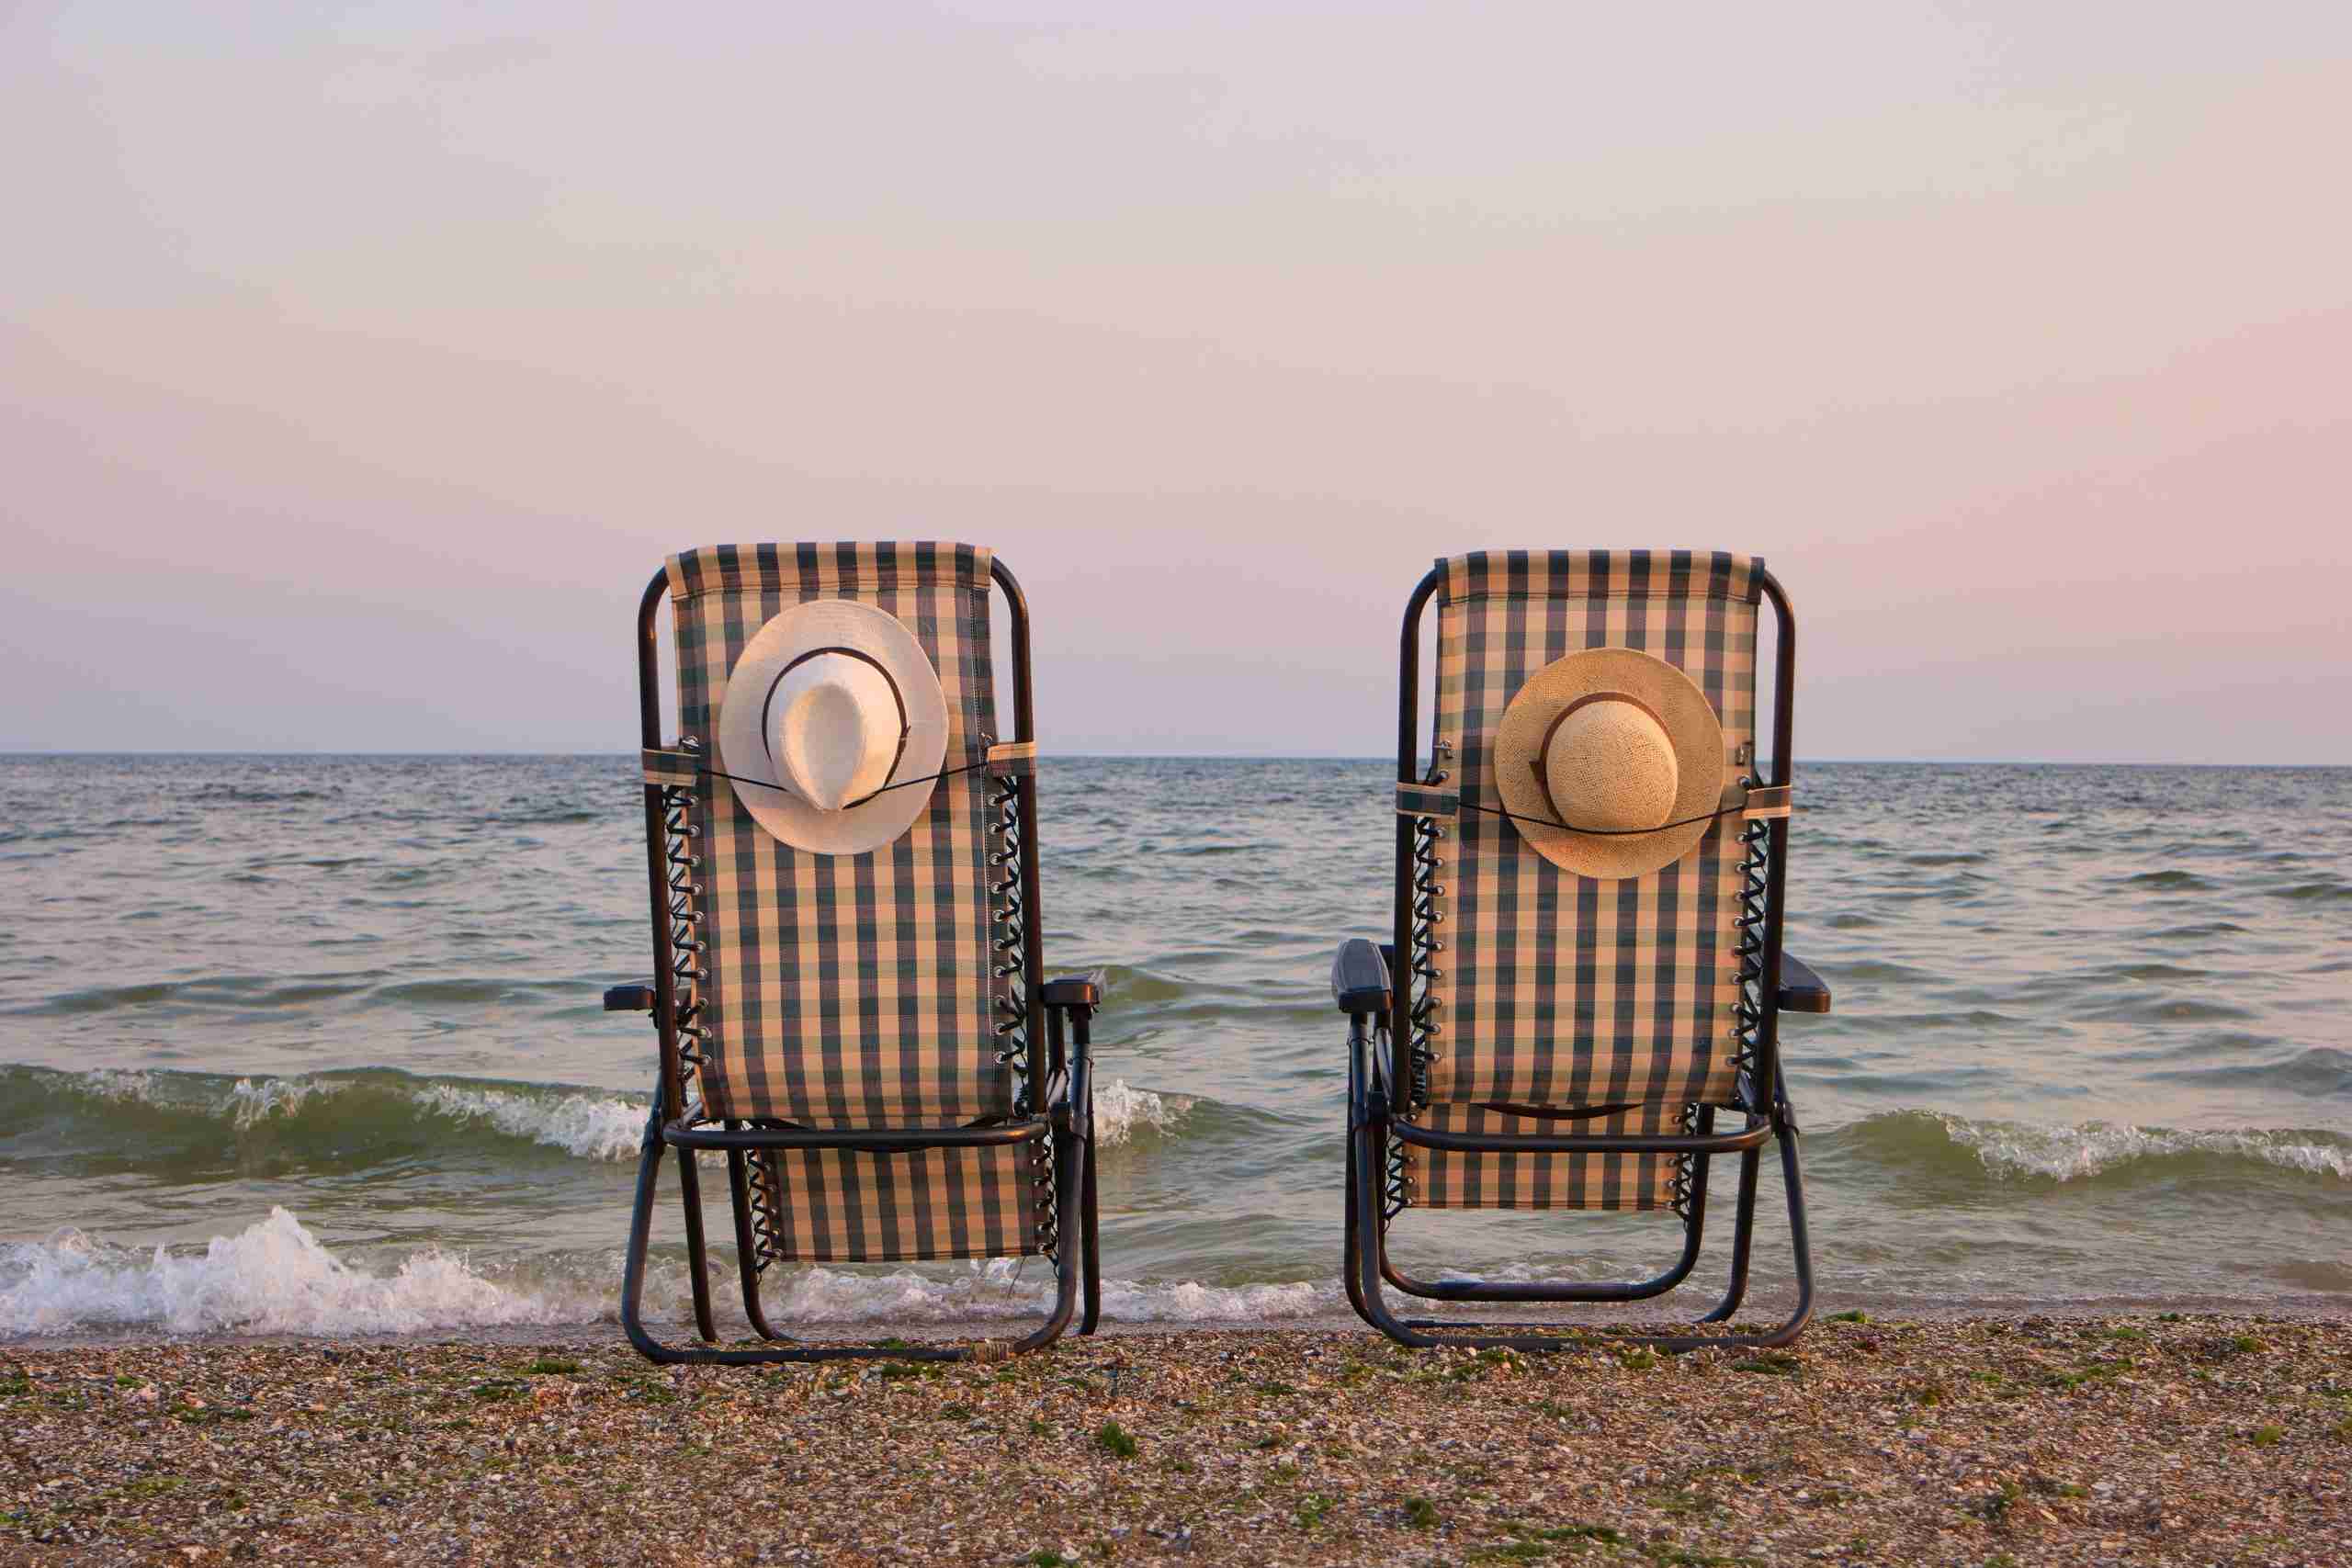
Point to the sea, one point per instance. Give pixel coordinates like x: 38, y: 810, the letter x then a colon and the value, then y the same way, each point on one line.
x: 313, y: 1045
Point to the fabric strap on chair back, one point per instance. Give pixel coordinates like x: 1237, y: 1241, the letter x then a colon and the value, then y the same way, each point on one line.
x: 857, y: 990
x: 1564, y: 991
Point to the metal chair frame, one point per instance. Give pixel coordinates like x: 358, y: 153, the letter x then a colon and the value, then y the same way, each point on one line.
x: 1379, y: 1096
x: 1061, y: 1113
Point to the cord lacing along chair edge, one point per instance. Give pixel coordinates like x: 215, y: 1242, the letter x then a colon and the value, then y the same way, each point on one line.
x: 1748, y: 1013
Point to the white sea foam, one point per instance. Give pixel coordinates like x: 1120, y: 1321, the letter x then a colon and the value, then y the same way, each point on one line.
x: 272, y: 1277
x: 1121, y: 1110
x: 249, y: 1102
x: 2065, y: 1151
x: 605, y: 1127
x: 252, y: 1102
x: 1004, y: 1287
x: 275, y: 1276
x: 118, y: 1084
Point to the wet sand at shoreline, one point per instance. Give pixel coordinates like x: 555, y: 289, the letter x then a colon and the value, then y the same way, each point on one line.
x: 2143, y: 1439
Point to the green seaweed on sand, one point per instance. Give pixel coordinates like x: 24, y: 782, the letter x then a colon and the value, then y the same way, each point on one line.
x: 1772, y: 1363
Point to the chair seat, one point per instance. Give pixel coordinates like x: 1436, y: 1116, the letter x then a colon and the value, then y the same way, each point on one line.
x: 839, y: 1206
x: 1440, y: 1179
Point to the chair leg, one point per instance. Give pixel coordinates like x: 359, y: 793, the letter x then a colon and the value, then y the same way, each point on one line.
x: 697, y: 1252
x: 641, y: 1228
x: 1743, y: 1236
x: 1089, y: 1222
x: 1351, y: 1244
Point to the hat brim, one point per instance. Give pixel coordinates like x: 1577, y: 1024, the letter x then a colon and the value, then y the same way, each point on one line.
x: 1682, y: 709
x: 744, y: 750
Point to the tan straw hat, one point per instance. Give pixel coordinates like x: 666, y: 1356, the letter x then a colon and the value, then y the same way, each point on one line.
x: 1616, y: 740
x: 830, y: 702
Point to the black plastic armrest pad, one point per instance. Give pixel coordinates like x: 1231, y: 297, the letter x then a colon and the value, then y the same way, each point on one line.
x: 1070, y: 991
x: 1360, y: 978
x: 629, y: 998
x: 1802, y: 990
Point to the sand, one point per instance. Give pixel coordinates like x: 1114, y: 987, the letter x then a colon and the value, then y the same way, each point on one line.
x: 2172, y: 1439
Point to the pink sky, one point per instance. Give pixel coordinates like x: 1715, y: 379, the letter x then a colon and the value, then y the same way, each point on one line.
x: 357, y: 374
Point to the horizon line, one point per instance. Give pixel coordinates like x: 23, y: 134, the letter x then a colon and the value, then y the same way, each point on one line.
x: 26, y: 752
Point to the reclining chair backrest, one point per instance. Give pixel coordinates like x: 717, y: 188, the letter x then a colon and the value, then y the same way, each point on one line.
x: 1562, y: 992
x: 858, y: 991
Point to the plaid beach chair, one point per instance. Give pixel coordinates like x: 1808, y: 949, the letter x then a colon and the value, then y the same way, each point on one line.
x: 1568, y: 1042
x: 858, y: 1033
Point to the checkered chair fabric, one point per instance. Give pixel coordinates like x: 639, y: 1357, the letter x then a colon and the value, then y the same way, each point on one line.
x: 857, y: 991
x: 1562, y: 992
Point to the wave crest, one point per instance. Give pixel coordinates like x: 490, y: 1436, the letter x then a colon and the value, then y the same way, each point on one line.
x: 1930, y: 1144
x: 1121, y: 1110
x: 602, y: 1128
x: 2068, y: 1151
x: 272, y: 1277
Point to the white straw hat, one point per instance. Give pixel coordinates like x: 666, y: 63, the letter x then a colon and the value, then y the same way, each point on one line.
x: 830, y: 702
x: 1616, y: 740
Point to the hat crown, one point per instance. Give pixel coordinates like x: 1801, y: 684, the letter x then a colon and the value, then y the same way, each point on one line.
x: 1609, y: 764
x: 835, y: 729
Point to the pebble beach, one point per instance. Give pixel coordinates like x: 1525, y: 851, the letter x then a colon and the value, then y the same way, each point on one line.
x: 2170, y: 1438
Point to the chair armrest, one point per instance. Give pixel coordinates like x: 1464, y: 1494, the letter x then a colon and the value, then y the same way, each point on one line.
x: 1070, y: 991
x: 1360, y: 978
x: 1802, y: 990
x: 629, y: 998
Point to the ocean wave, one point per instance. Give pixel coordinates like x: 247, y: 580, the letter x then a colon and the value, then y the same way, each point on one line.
x: 601, y: 1127
x: 253, y: 1103
x: 1121, y: 1110
x: 2067, y: 1151
x: 272, y: 1277
x: 2082, y: 1151
x: 338, y: 1111
x: 276, y: 1276
x: 344, y: 1107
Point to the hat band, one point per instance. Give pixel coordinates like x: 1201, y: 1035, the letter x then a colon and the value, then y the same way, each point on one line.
x: 767, y: 704
x: 1544, y: 752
